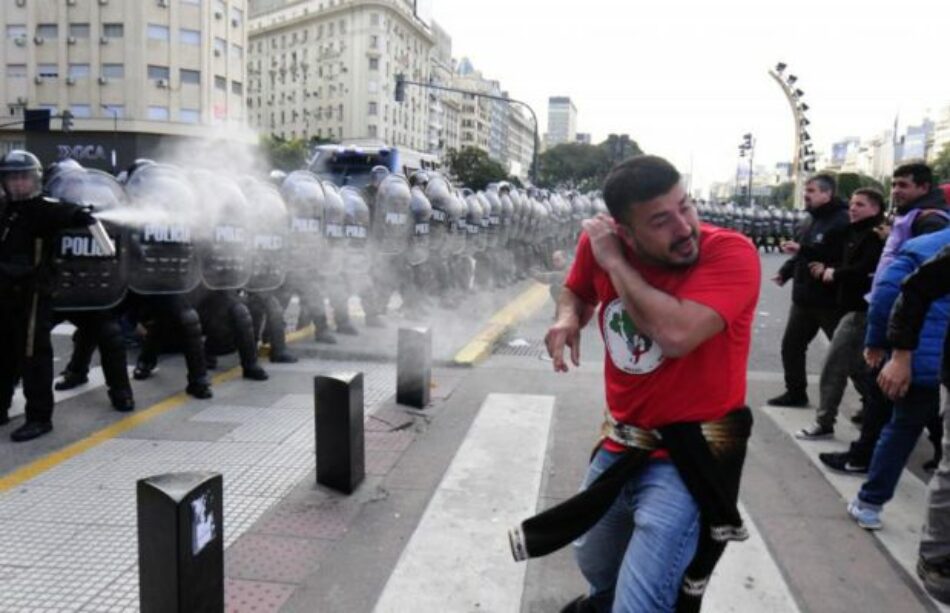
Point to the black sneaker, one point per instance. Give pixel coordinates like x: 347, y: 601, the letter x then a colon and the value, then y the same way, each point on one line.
x: 936, y: 578
x: 69, y: 381
x: 4, y: 416
x: 143, y: 370
x: 789, y: 399
x: 581, y: 604
x: 322, y: 335
x: 30, y: 430
x: 347, y: 328
x: 843, y: 462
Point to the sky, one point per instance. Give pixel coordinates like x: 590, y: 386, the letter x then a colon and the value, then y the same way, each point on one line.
x: 687, y: 78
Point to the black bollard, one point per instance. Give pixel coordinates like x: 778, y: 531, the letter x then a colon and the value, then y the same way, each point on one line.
x: 414, y: 367
x: 181, y: 543
x: 338, y: 409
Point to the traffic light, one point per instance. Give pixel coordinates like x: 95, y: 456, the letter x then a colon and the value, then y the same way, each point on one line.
x: 400, y: 87
x: 67, y: 121
x: 36, y: 120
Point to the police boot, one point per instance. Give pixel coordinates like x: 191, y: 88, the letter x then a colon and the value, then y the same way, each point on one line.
x: 321, y: 333
x: 283, y: 357
x: 122, y: 400
x: 30, y: 430
x: 255, y: 373
x: 143, y: 369
x: 200, y: 389
x: 69, y: 381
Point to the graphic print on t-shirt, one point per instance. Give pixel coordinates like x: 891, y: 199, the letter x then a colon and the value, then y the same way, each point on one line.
x: 629, y: 350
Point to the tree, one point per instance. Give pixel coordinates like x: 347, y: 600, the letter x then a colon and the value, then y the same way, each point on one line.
x: 941, y: 165
x: 783, y: 195
x: 582, y: 166
x: 473, y: 168
x: 283, y: 154
x: 848, y: 182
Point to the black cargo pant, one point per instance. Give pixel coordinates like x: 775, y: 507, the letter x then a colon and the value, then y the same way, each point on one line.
x: 802, y: 327
x: 98, y: 329
x: 26, y: 351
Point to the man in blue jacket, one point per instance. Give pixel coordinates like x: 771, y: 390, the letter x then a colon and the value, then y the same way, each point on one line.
x: 917, y: 403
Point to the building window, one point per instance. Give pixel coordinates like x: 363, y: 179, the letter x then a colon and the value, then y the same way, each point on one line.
x: 189, y: 115
x: 220, y: 46
x: 189, y: 37
x: 16, y: 31
x: 237, y: 88
x: 79, y: 30
x: 237, y: 16
x: 50, y: 71
x: 219, y: 6
x: 237, y: 52
x: 78, y: 71
x: 157, y: 32
x: 113, y: 30
x: 114, y: 110
x: 190, y: 77
x: 81, y: 110
x: 113, y: 71
x: 320, y: 30
x: 158, y: 113
x: 16, y: 71
x: 374, y: 63
x: 221, y: 83
x: 371, y: 131
x: 48, y: 31
x: 195, y: 2
x: 330, y: 27
x: 157, y: 72
x: 342, y: 26
x: 374, y: 19
x: 373, y: 108
x: 374, y: 42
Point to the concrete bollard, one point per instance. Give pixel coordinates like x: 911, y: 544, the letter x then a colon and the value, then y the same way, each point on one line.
x: 414, y: 367
x: 338, y: 416
x: 181, y: 543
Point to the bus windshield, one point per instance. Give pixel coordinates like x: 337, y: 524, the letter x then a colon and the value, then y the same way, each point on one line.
x: 348, y: 167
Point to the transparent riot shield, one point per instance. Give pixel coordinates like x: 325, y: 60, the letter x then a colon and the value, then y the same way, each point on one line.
x: 392, y: 216
x: 269, y: 224
x: 84, y: 276
x: 224, y: 235
x: 421, y: 213
x: 356, y: 223
x: 162, y: 214
x: 333, y: 221
x: 305, y: 200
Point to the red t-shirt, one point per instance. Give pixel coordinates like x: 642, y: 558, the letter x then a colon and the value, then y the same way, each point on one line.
x: 646, y: 389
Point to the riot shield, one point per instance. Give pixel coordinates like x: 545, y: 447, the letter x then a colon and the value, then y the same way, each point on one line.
x: 162, y: 213
x: 269, y: 224
x: 305, y: 200
x: 333, y: 222
x: 84, y: 277
x: 419, y: 245
x: 223, y: 236
x: 392, y: 216
x: 356, y: 232
x: 439, y: 195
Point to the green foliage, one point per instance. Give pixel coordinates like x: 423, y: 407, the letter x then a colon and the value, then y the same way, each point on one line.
x: 283, y: 154
x: 581, y: 166
x: 848, y: 182
x: 473, y: 168
x: 941, y: 165
x: 783, y: 195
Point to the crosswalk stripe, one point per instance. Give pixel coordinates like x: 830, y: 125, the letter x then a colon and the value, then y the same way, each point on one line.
x: 747, y: 579
x: 902, y: 517
x: 458, y: 559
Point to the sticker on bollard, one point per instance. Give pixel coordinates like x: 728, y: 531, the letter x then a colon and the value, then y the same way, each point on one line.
x: 181, y: 543
x: 414, y: 367
x: 338, y: 417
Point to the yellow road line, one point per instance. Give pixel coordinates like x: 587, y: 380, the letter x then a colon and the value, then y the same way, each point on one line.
x: 525, y: 305
x: 51, y: 460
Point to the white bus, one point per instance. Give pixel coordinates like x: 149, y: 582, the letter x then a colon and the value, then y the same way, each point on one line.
x: 350, y: 163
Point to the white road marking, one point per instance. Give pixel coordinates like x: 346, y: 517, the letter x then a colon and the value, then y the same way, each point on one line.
x: 458, y: 559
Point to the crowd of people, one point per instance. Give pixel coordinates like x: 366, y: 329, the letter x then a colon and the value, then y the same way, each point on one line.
x: 867, y: 278
x: 204, y: 263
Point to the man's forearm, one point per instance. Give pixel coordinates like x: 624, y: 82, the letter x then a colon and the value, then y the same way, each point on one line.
x: 657, y: 314
x: 570, y: 305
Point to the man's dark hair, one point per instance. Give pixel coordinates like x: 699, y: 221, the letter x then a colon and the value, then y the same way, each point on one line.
x: 873, y: 195
x: 637, y: 179
x: 826, y: 183
x: 919, y: 172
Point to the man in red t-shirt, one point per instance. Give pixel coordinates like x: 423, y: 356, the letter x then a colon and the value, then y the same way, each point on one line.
x: 676, y: 304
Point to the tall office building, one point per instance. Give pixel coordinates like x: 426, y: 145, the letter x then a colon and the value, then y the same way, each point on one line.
x: 562, y: 121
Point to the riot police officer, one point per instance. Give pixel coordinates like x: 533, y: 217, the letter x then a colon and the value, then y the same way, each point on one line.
x: 27, y: 222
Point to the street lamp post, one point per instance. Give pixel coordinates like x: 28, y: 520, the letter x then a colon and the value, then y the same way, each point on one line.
x: 802, y: 158
x: 399, y: 94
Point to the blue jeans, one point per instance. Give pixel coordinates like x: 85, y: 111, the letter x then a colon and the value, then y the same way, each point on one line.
x: 634, y: 558
x: 897, y: 441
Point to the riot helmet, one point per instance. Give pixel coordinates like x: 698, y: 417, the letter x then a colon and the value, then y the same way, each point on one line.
x: 21, y: 175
